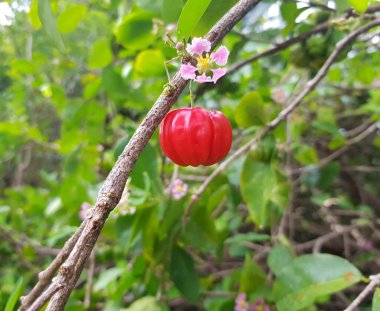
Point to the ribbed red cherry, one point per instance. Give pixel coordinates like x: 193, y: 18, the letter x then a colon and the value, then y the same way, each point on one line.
x: 195, y: 136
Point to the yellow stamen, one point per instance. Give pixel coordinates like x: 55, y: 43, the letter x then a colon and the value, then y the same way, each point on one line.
x: 178, y: 188
x: 204, y: 63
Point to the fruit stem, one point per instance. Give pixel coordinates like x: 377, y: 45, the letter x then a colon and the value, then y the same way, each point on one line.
x: 191, y: 95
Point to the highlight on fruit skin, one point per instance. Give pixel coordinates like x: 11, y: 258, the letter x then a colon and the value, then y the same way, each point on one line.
x: 195, y: 136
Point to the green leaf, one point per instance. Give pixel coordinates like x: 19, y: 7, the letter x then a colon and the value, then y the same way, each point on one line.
x: 248, y: 237
x: 216, y: 198
x: 215, y: 10
x: 53, y: 206
x: 91, y: 88
x: 183, y: 274
x: 250, y: 110
x: 310, y: 277
x: 147, y: 303
x: 100, y: 54
x: 252, y: 276
x: 201, y: 229
x: 113, y: 82
x: 171, y: 10
x: 257, y: 181
x: 49, y: 23
x: 327, y: 175
x: 191, y: 14
x: 365, y: 73
x: 337, y: 141
x: 146, y: 164
x: 71, y: 17
x: 135, y: 31
x: 342, y: 6
x: 305, y: 155
x: 33, y: 15
x: 279, y: 257
x: 16, y: 294
x: 150, y: 63
x: 106, y: 277
x: 376, y: 300
x: 24, y: 66
x: 359, y: 5
x: 289, y: 13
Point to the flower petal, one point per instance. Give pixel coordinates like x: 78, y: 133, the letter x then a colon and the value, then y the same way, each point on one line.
x: 203, y: 78
x: 188, y: 71
x: 218, y: 73
x: 198, y: 46
x: 220, y: 56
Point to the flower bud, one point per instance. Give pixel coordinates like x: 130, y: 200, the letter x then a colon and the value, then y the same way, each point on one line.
x: 179, y: 46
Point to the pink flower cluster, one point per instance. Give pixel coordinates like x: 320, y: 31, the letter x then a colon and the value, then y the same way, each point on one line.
x: 241, y: 304
x: 84, y: 208
x: 178, y: 189
x: 205, y: 70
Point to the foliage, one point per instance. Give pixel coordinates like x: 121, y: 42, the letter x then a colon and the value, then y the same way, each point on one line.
x: 76, y: 80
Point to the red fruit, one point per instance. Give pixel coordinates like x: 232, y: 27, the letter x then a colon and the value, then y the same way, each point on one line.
x: 195, y: 136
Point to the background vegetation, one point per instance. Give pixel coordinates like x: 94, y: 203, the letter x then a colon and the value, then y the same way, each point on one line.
x: 292, y: 222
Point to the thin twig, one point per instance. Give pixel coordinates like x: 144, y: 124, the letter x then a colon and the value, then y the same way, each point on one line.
x: 335, y: 226
x: 310, y: 86
x: 192, y: 178
x: 337, y: 153
x: 45, y: 277
x: 362, y: 169
x: 17, y: 246
x: 357, y: 130
x: 285, y: 44
x: 23, y: 165
x: 368, y: 131
x: 279, y: 47
x: 45, y: 296
x: 90, y: 280
x: 169, y: 188
x: 288, y: 167
x: 320, y: 241
x: 375, y: 281
x: 315, y: 4
x: 22, y: 240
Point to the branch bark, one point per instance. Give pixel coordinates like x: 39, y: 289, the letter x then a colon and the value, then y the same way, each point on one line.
x: 368, y: 131
x: 112, y: 189
x: 90, y: 280
x: 279, y: 47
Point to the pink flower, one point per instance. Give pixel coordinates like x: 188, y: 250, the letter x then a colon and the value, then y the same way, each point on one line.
x: 278, y: 95
x: 204, y: 70
x: 179, y: 189
x: 241, y: 303
x: 366, y: 245
x: 203, y: 78
x: 260, y: 305
x: 188, y: 71
x: 218, y: 73
x: 220, y: 57
x: 83, y: 210
x: 198, y: 46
